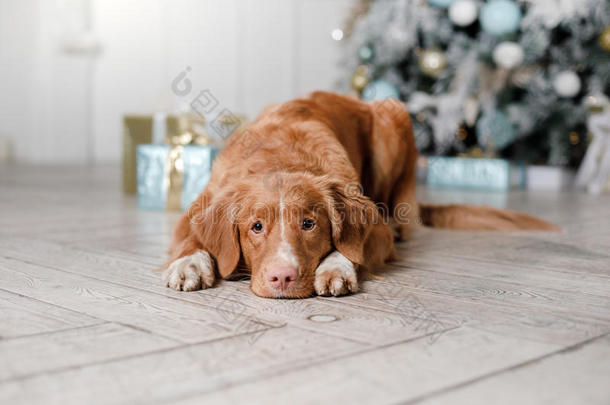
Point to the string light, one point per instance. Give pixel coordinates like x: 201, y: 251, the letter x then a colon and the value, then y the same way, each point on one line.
x: 337, y: 34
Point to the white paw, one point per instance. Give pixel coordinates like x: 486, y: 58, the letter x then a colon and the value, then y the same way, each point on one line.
x: 336, y: 275
x: 190, y: 273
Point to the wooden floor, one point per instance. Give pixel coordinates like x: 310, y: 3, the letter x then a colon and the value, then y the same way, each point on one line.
x: 462, y: 318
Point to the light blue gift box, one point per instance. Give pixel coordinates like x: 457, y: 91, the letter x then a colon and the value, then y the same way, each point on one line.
x: 474, y: 173
x: 152, y: 164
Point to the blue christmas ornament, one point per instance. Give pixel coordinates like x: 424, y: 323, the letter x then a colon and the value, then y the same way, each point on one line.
x: 366, y: 53
x: 495, y: 131
x: 500, y: 17
x: 379, y: 90
x: 441, y: 3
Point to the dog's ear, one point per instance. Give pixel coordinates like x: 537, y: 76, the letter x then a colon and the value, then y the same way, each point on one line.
x: 352, y: 216
x: 217, y: 229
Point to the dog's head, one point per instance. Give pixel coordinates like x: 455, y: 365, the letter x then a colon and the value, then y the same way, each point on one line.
x: 282, y: 225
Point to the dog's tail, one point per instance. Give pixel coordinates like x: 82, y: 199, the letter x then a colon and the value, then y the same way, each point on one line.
x: 470, y: 217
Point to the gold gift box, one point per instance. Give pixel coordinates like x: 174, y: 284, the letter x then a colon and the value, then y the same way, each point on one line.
x: 139, y: 129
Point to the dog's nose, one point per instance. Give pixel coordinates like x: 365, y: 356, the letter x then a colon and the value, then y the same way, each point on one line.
x: 281, y: 278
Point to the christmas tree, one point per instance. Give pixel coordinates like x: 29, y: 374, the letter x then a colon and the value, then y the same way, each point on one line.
x: 515, y: 78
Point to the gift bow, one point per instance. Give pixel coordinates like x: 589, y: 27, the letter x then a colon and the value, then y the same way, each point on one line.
x: 174, y: 166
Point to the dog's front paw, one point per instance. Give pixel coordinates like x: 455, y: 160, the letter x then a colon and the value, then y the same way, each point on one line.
x: 336, y: 275
x: 191, y: 272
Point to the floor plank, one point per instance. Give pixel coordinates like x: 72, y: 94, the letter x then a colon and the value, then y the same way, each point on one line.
x: 388, y: 375
x: 191, y: 370
x: 162, y: 315
x: 556, y: 379
x: 526, y: 322
x: 23, y: 316
x: 573, y: 300
x: 73, y: 348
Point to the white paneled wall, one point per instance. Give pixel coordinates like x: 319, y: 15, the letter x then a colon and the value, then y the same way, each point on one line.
x: 66, y: 107
x: 17, y: 70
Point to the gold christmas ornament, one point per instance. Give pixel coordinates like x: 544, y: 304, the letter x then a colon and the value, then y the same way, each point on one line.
x: 360, y: 78
x: 432, y: 62
x: 461, y: 133
x: 604, y: 38
x: 596, y: 102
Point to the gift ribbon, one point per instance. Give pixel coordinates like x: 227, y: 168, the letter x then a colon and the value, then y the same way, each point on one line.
x: 174, y: 166
x: 159, y: 127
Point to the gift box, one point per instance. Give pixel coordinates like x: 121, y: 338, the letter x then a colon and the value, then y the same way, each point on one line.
x: 142, y: 129
x: 172, y: 176
x: 549, y: 178
x: 474, y: 173
x: 156, y: 129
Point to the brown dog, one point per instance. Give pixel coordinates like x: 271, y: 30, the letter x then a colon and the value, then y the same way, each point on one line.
x: 309, y: 192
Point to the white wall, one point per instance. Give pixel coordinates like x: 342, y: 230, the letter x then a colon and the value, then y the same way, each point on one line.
x: 66, y: 107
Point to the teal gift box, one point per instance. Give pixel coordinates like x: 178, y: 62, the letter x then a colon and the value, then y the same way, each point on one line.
x: 474, y: 173
x: 171, y: 177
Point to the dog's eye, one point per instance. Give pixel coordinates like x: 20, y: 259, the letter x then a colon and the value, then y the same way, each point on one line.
x: 257, y: 227
x: 308, y: 224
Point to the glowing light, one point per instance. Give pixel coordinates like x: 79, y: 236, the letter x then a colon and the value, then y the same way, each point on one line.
x: 337, y: 34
